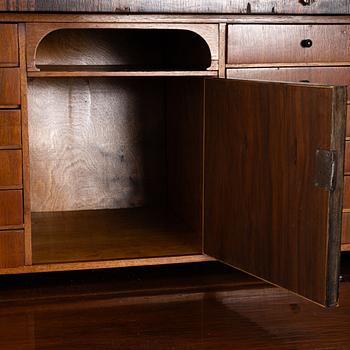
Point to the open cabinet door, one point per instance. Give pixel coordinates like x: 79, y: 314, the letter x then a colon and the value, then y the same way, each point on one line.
x: 273, y: 182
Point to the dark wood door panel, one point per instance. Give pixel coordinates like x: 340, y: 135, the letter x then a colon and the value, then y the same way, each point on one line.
x: 10, y: 94
x: 11, y: 249
x: 263, y: 212
x: 8, y: 45
x: 10, y: 168
x: 11, y: 208
x: 280, y: 43
x: 315, y: 75
x: 10, y: 128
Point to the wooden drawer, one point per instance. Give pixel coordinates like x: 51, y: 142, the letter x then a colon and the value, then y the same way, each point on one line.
x: 11, y: 249
x: 346, y: 229
x: 346, y: 201
x: 280, y: 44
x: 10, y: 129
x: 316, y: 75
x: 8, y: 45
x: 10, y: 168
x: 9, y: 87
x: 347, y: 158
x: 348, y: 121
x: 11, y: 208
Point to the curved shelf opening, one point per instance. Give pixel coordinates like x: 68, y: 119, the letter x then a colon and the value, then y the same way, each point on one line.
x: 122, y: 50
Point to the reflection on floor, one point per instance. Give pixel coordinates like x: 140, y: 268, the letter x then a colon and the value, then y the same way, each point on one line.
x: 198, y: 306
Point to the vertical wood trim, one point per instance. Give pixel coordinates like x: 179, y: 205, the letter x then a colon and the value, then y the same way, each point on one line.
x: 203, y: 164
x: 25, y: 146
x: 336, y: 197
x: 222, y: 50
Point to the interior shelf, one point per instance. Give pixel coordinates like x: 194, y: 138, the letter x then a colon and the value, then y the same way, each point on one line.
x: 114, y: 71
x: 92, y: 235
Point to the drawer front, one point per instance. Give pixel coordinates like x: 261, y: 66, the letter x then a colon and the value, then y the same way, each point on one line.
x: 10, y: 129
x: 348, y: 121
x: 347, y: 158
x: 346, y: 228
x: 8, y: 45
x: 10, y: 168
x: 9, y: 87
x: 11, y: 249
x: 322, y: 75
x: 346, y: 201
x: 274, y: 44
x: 11, y: 208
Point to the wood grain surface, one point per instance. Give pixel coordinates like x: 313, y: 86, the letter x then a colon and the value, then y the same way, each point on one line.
x: 203, y: 306
x: 348, y: 121
x: 8, y: 45
x: 10, y: 168
x: 184, y: 123
x: 107, y: 71
x: 95, y: 235
x: 159, y: 49
x: 346, y: 228
x: 25, y: 144
x: 11, y: 249
x: 96, y: 143
x: 347, y: 158
x: 346, y: 193
x: 10, y: 87
x: 260, y: 145
x: 10, y: 128
x: 261, y: 43
x: 182, y: 6
x: 11, y: 208
x: 314, y: 75
x: 179, y: 42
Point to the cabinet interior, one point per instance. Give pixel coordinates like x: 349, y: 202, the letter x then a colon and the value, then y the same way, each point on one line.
x: 116, y: 167
x: 122, y: 50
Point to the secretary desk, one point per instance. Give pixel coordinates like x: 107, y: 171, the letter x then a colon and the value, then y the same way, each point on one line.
x: 143, y: 132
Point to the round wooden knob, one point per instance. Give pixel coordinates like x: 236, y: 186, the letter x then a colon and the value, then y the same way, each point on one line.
x: 305, y: 2
x: 306, y: 43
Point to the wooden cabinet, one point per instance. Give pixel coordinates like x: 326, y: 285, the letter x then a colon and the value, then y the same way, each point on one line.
x: 122, y: 147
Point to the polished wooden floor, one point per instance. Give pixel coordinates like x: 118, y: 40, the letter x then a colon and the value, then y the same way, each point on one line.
x: 198, y: 306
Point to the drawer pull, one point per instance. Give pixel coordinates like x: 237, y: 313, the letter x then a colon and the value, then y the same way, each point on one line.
x: 306, y: 43
x: 304, y: 81
x: 306, y: 2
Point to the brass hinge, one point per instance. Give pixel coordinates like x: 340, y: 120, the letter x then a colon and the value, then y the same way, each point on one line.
x: 326, y: 168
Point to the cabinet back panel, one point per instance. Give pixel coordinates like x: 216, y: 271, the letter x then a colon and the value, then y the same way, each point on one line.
x: 96, y: 143
x: 185, y: 149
